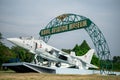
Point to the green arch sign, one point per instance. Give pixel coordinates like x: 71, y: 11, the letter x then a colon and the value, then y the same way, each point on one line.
x: 66, y: 27
x: 69, y: 22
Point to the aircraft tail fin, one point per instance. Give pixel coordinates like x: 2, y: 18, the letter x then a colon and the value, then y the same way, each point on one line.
x: 88, y: 56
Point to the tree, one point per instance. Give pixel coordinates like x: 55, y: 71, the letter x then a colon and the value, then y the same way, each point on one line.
x: 116, y: 63
x: 67, y: 50
x: 0, y: 35
x: 5, y: 54
x: 95, y: 60
x: 22, y: 54
x: 76, y: 48
x: 0, y: 38
x: 82, y: 49
x: 116, y: 59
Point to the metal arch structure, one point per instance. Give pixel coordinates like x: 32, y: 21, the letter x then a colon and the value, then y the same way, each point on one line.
x: 102, y: 48
x: 94, y: 32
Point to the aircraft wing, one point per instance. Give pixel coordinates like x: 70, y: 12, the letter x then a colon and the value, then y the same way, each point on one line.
x: 55, y: 56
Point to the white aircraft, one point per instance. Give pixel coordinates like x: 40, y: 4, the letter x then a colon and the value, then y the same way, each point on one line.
x: 54, y: 56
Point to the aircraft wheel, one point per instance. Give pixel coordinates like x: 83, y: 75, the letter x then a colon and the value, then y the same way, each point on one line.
x: 58, y: 64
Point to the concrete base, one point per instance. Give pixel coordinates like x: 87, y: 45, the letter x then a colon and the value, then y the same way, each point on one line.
x: 75, y: 71
x: 24, y: 67
x: 29, y: 67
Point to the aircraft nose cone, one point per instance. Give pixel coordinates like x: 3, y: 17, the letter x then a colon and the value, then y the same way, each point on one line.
x: 10, y: 39
x: 13, y: 40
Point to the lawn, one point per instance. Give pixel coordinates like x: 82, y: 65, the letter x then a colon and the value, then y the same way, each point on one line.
x: 44, y: 76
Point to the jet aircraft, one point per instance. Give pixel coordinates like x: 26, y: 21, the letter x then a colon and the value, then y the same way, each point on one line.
x: 54, y: 56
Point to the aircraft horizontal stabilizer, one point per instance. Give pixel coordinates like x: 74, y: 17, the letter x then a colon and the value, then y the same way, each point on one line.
x: 92, y: 66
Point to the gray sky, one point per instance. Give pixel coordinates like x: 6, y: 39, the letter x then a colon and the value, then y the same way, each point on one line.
x: 27, y: 17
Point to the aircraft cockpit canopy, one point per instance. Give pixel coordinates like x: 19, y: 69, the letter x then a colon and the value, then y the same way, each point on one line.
x: 26, y: 38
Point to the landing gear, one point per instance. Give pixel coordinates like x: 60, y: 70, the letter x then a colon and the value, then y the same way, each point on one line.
x: 49, y: 63
x: 58, y: 64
